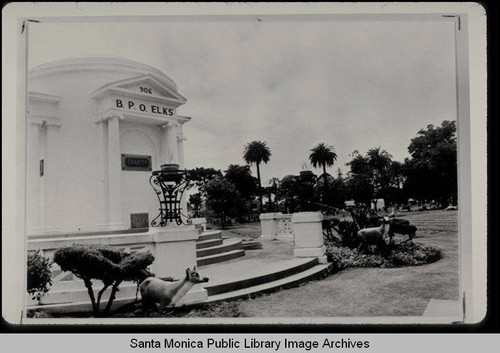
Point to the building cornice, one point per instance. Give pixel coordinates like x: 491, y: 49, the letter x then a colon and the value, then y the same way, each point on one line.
x: 183, y: 119
x: 99, y: 64
x: 143, y: 118
x: 44, y: 121
x: 43, y: 98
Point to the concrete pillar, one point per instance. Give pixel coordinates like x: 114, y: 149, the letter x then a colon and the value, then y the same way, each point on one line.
x: 175, y: 250
x: 308, y: 235
x: 267, y: 225
x: 33, y: 202
x: 114, y: 174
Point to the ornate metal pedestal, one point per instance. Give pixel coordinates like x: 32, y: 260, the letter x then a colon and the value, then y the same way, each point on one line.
x: 169, y: 183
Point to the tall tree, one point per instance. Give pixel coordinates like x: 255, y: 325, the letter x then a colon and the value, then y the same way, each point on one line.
x: 195, y: 201
x: 222, y: 198
x: 323, y: 155
x: 432, y: 170
x: 257, y: 152
x: 241, y: 177
x: 296, y: 194
x: 359, y: 182
x: 380, y: 162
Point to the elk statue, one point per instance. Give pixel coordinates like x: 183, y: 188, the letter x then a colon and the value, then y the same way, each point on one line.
x: 157, y: 291
x: 373, y: 236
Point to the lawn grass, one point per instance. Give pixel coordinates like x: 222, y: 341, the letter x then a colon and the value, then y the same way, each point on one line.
x: 363, y: 292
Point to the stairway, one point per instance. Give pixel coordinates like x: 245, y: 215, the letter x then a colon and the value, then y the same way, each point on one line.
x: 211, y: 248
x: 245, y: 278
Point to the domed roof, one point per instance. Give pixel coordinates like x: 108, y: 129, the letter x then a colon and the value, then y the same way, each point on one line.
x: 100, y: 64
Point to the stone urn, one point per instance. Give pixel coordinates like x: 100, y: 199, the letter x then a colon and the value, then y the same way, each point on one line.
x: 170, y: 166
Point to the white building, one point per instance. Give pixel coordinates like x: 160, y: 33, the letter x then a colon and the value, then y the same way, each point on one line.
x: 96, y: 128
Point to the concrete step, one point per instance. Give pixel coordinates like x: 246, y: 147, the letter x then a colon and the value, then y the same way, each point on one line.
x: 318, y: 271
x: 208, y: 243
x: 80, y: 294
x: 221, y: 257
x: 227, y: 245
x: 251, y: 244
x: 210, y: 234
x: 266, y: 274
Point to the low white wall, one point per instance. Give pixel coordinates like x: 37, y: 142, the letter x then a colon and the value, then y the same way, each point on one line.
x: 304, y: 228
x: 276, y: 226
x: 200, y: 223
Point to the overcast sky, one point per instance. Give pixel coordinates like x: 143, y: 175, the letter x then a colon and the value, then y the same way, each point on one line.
x: 352, y: 85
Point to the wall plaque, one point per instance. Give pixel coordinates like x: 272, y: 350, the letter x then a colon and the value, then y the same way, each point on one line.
x: 136, y: 162
x: 139, y: 220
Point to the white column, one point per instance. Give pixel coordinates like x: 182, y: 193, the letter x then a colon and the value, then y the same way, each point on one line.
x: 102, y: 148
x: 169, y: 153
x: 33, y: 202
x: 114, y: 174
x: 52, y: 205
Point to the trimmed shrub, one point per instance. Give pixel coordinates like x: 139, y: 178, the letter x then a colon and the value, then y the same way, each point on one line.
x: 39, y: 275
x: 109, y: 265
x: 346, y: 257
x: 414, y: 254
x: 408, y: 254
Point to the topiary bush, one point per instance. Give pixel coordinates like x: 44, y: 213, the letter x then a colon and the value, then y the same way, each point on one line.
x: 39, y: 275
x: 104, y: 263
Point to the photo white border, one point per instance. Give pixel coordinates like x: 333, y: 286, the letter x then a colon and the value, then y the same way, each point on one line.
x: 473, y: 249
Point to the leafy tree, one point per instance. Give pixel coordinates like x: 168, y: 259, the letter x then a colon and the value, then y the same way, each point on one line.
x: 109, y: 265
x: 360, y: 186
x: 257, y: 152
x: 360, y: 189
x: 195, y: 200
x: 271, y: 190
x: 335, y: 195
x: 222, y: 198
x: 296, y: 194
x: 200, y: 176
x: 370, y: 175
x: 432, y: 170
x: 39, y: 275
x: 242, y: 178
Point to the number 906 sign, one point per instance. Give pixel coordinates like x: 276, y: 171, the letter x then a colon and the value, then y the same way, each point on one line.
x: 146, y: 90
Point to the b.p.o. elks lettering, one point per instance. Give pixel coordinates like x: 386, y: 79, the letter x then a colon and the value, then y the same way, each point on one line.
x: 155, y: 109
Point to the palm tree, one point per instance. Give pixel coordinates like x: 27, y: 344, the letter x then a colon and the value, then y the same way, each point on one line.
x: 379, y: 159
x: 380, y: 162
x: 257, y: 152
x: 323, y: 155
